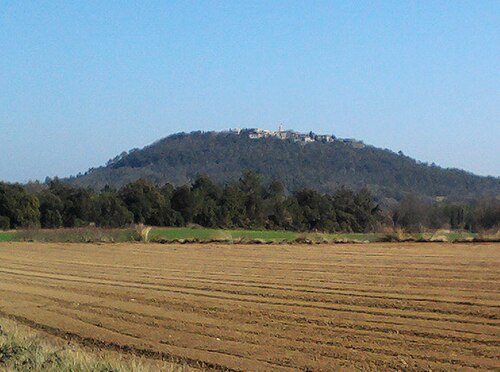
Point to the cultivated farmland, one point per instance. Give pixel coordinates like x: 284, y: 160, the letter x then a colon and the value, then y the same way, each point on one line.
x: 274, y: 307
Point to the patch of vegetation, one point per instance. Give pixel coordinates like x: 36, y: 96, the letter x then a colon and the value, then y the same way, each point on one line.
x: 79, y: 235
x: 159, y: 234
x: 435, y: 236
x: 204, y: 235
x: 369, y: 237
x: 8, y: 236
x: 23, y: 350
x: 264, y: 235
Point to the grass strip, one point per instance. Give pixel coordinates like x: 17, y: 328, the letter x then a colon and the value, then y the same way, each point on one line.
x: 189, y: 234
x: 8, y: 236
x: 24, y: 350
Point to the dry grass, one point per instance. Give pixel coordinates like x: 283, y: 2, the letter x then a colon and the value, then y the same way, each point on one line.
x: 87, y: 234
x: 143, y: 232
x: 21, y: 349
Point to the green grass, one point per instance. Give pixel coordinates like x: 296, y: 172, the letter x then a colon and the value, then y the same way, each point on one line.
x: 181, y: 233
x: 453, y: 236
x: 7, y: 236
x: 158, y: 234
x: 166, y: 234
x: 264, y: 235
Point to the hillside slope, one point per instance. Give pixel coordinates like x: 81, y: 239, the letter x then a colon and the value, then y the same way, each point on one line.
x: 179, y: 158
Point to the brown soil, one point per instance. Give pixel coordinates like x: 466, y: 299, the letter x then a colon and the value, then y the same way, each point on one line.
x: 245, y: 307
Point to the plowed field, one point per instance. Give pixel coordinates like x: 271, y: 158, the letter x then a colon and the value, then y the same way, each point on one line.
x: 375, y: 306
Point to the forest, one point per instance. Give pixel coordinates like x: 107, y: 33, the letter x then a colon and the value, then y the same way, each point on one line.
x: 248, y: 203
x: 325, y: 167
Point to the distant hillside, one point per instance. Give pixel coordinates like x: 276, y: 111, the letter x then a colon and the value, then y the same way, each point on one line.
x: 324, y: 166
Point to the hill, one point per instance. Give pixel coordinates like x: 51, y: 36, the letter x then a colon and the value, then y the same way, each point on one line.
x: 321, y: 165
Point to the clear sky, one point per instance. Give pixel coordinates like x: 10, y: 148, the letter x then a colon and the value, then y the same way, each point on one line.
x: 81, y: 81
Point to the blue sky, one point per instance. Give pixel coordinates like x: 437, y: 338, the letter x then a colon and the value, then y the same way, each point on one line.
x: 82, y: 81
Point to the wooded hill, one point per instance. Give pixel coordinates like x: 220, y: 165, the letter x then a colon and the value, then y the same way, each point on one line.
x: 180, y: 158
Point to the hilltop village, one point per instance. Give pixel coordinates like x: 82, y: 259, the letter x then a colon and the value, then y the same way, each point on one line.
x: 258, y: 133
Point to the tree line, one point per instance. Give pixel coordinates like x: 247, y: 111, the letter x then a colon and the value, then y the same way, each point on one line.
x: 416, y: 213
x: 247, y: 203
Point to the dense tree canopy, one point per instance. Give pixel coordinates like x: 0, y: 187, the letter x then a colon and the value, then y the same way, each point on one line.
x: 17, y: 207
x: 248, y: 203
x: 323, y: 167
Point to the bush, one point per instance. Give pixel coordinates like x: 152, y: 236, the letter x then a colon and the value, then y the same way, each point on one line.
x: 4, y: 223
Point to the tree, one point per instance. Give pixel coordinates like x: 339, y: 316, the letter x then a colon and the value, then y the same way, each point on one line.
x: 231, y: 212
x: 318, y: 211
x: 412, y: 213
x: 76, y: 202
x: 169, y: 216
x: 145, y: 202
x: 51, y: 209
x: 365, y: 211
x: 21, y: 208
x: 275, y: 206
x: 183, y: 202
x: 109, y: 211
x: 4, y: 223
x: 294, y: 215
x: 456, y: 215
x: 251, y: 186
x: 206, y: 197
x: 484, y: 214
